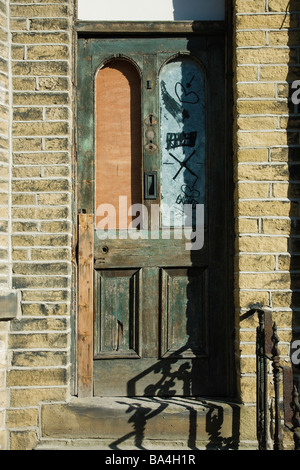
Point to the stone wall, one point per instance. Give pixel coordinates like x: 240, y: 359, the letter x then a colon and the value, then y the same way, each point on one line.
x: 266, y: 142
x: 42, y: 127
x: 5, y: 223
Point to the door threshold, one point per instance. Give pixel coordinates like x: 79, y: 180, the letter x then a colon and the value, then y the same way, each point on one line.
x: 194, y: 422
x: 171, y: 400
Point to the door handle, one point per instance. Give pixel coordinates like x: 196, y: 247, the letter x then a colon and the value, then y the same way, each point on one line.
x: 150, y: 184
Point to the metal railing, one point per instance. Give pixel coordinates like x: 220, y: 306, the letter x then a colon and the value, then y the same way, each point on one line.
x: 282, y: 412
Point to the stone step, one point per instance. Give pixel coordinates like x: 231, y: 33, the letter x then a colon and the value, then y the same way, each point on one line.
x: 144, y: 423
x: 152, y: 445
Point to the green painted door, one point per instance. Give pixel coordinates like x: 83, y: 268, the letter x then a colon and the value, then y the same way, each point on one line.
x: 151, y: 149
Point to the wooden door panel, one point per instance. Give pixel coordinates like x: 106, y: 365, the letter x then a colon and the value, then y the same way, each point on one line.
x: 148, y: 252
x: 184, y: 316
x: 117, y: 313
x: 170, y: 355
x: 152, y: 377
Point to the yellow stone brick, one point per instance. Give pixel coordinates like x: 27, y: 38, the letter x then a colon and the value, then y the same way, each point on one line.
x: 247, y: 424
x: 57, y: 171
x: 248, y: 365
x: 4, y: 186
x: 262, y: 107
x: 256, y: 90
x: 253, y: 190
x: 23, y: 440
x: 39, y: 37
x: 40, y: 11
x: 279, y: 5
x: 264, y: 281
x: 3, y: 213
x: 249, y: 321
x: 247, y: 73
x: 27, y: 144
x: 17, y: 52
x: 283, y: 319
x: 273, y: 72
x: 278, y: 38
x: 39, y: 158
x: 248, y: 336
x: 265, y: 172
x: 248, y: 6
x: 243, y: 225
x: 248, y: 389
x: 40, y: 128
x: 39, y: 377
x: 23, y: 199
x: 3, y: 440
x: 265, y: 55
x: 3, y: 239
x: 257, y: 122
x: 253, y: 155
x: 20, y: 255
x: 48, y: 24
x: 266, y: 21
x: 264, y: 208
x: 57, y: 143
x: 26, y: 172
x: 56, y: 114
x: 4, y: 197
x: 47, y: 52
x: 32, y: 397
x: 281, y: 299
x: 283, y: 90
x: 40, y: 68
x: 280, y: 190
x: 28, y: 114
x: 276, y: 226
x: 256, y: 262
x: 247, y: 349
x: 250, y: 38
x: 46, y: 296
x: 18, y: 24
x: 21, y: 417
x: 25, y: 227
x: 262, y: 244
x: 42, y: 98
x: 4, y: 171
x: 284, y: 262
x: 54, y: 199
x: 261, y: 139
x: 51, y: 254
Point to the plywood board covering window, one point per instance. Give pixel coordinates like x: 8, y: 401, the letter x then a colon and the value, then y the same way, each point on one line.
x: 118, y: 141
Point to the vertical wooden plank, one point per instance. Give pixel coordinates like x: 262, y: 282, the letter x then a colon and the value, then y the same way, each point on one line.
x: 150, y: 309
x: 85, y: 304
x: 150, y: 113
x: 85, y: 127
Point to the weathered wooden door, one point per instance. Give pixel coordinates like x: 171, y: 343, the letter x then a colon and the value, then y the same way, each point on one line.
x: 151, y: 116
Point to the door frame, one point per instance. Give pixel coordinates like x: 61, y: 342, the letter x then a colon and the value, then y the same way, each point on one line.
x: 83, y: 224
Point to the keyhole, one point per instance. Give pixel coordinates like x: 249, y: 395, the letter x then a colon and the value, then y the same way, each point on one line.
x: 105, y: 249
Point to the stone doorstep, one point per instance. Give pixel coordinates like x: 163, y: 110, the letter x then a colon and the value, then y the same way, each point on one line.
x: 116, y: 423
x: 147, y: 445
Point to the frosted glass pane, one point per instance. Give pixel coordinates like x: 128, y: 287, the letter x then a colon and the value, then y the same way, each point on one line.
x: 182, y: 101
x: 154, y: 10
